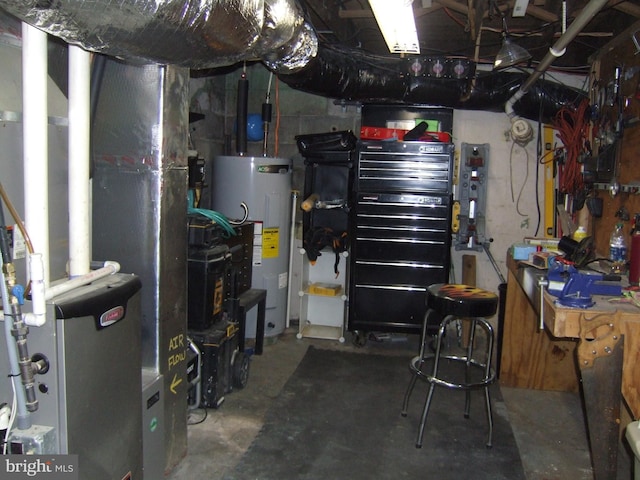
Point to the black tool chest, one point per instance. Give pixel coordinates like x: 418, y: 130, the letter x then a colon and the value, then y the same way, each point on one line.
x: 400, y: 231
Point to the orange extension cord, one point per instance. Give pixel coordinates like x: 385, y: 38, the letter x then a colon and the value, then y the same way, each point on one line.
x: 572, y: 126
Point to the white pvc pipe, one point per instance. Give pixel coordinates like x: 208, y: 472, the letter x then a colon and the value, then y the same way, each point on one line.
x: 108, y: 269
x: 37, y: 317
x: 35, y: 140
x: 292, y: 242
x: 79, y: 134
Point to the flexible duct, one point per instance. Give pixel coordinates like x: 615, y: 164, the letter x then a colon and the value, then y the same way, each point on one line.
x: 356, y: 76
x: 203, y: 34
x: 216, y: 33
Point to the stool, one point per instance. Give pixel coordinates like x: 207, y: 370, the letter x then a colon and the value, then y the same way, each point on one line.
x: 454, y: 302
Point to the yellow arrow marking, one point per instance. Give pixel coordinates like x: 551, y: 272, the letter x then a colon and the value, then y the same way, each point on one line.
x: 174, y: 383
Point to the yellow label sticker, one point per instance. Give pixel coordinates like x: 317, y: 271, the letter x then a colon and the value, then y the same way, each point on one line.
x: 270, y: 240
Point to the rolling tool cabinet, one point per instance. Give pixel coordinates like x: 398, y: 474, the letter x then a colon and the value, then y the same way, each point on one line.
x: 400, y: 233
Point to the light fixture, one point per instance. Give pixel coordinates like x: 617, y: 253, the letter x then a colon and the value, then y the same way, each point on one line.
x: 397, y: 24
x: 510, y: 53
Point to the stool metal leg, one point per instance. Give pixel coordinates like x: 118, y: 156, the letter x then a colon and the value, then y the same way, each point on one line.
x: 419, y: 361
x: 467, y: 372
x: 487, y: 374
x: 487, y: 403
x: 425, y: 413
x: 405, y: 404
x: 432, y: 385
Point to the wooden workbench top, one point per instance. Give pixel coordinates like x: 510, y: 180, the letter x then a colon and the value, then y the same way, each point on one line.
x: 564, y: 322
x: 540, y: 361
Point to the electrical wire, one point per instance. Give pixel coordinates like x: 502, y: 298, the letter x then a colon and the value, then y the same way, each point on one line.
x: 572, y: 126
x: 539, y: 148
x: 197, y: 422
x: 456, y: 20
x: 524, y: 182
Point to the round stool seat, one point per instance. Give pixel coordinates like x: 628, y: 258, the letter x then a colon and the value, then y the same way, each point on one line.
x: 461, y: 300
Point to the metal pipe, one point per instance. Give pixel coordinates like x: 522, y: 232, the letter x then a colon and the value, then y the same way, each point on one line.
x: 494, y: 263
x: 241, y: 114
x: 19, y: 332
x: 22, y: 414
x: 292, y: 247
x: 557, y: 50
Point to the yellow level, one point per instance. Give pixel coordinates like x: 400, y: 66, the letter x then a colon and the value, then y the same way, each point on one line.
x: 549, y: 183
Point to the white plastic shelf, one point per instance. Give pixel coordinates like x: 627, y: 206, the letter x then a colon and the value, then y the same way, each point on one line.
x: 323, y: 315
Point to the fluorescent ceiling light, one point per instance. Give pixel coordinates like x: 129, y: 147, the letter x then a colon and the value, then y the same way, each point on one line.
x: 397, y: 24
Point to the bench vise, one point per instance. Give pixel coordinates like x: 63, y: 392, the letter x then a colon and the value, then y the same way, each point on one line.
x: 574, y: 288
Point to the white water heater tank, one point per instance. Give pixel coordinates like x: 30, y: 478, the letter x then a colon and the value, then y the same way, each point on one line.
x: 264, y: 185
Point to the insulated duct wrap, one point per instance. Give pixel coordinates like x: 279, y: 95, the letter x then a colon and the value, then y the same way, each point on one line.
x: 355, y: 76
x: 204, y: 34
x: 216, y: 33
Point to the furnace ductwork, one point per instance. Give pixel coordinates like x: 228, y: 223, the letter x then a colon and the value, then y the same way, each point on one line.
x: 216, y: 33
x: 203, y: 34
x: 356, y: 76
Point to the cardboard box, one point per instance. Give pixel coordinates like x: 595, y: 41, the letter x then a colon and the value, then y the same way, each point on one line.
x: 328, y: 289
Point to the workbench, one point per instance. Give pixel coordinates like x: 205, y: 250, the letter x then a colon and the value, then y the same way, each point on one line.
x: 606, y: 359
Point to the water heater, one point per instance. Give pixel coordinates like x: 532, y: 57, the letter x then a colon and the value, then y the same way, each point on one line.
x: 264, y: 185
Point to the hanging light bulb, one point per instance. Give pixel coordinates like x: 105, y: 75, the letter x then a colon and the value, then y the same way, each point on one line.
x: 510, y: 53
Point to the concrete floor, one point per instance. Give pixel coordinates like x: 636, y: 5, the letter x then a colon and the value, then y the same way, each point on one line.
x: 548, y: 426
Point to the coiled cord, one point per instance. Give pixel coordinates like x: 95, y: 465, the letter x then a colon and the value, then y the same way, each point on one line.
x: 212, y: 215
x: 572, y: 125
